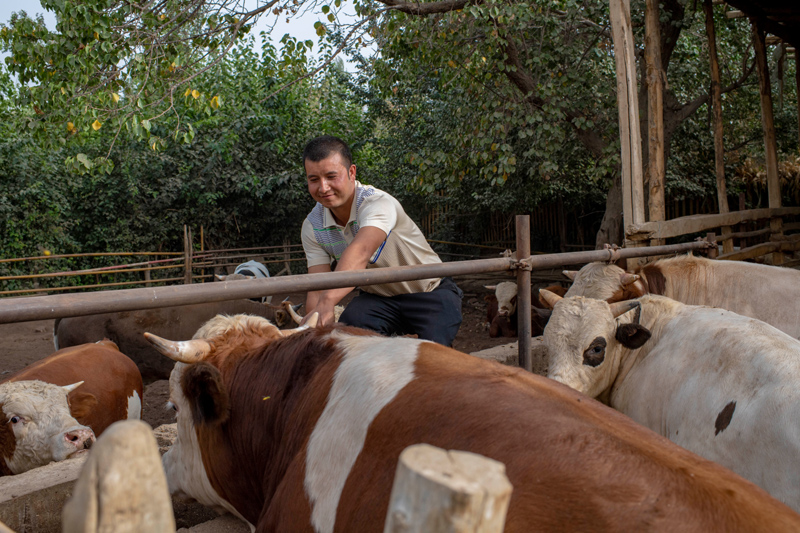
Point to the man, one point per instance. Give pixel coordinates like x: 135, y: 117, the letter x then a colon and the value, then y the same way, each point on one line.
x: 359, y: 226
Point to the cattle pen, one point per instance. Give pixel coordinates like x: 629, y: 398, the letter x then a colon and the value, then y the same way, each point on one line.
x: 522, y: 262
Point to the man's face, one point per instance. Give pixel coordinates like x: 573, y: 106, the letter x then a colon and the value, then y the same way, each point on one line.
x: 330, y: 181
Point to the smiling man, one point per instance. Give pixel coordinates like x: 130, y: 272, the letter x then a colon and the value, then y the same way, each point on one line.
x: 358, y: 226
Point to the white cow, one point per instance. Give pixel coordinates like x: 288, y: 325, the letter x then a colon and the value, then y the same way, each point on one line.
x: 719, y: 384
x: 37, y: 426
x: 768, y: 293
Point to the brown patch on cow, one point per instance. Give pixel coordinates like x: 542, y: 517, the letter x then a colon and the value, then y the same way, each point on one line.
x: 595, y: 354
x: 655, y: 282
x: 203, y: 387
x: 8, y: 443
x: 724, y: 418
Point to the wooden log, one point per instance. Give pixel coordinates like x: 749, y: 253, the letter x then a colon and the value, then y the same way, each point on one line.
x: 187, y: 255
x: 699, y: 223
x: 768, y: 125
x: 716, y: 98
x: 447, y: 492
x: 734, y: 14
x: 628, y: 107
x: 655, y: 172
x: 122, y: 486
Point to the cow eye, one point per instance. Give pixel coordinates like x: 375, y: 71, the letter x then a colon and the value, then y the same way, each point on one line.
x: 595, y: 353
x: 171, y: 405
x: 14, y: 419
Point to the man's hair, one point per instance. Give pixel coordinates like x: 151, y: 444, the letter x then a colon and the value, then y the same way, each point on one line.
x: 321, y: 147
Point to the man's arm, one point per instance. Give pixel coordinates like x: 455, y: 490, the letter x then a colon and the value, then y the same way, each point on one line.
x: 355, y: 257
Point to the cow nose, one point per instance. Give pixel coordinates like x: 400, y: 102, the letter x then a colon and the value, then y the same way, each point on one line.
x: 82, y: 439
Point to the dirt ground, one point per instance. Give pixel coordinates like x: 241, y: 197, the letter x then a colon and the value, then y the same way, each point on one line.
x: 27, y: 342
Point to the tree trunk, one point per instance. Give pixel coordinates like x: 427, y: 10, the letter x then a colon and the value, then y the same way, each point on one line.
x: 611, y: 231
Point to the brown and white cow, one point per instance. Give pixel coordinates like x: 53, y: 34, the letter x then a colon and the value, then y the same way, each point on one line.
x: 501, y: 310
x: 719, y: 384
x: 37, y: 427
x: 303, y: 433
x: 112, y: 385
x: 768, y: 293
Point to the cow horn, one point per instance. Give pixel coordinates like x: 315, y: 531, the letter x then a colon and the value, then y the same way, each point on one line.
x: 310, y: 323
x: 619, y: 308
x: 188, y: 352
x: 550, y: 297
x: 490, y: 287
x: 571, y: 274
x: 626, y: 279
x: 70, y: 388
x: 292, y: 310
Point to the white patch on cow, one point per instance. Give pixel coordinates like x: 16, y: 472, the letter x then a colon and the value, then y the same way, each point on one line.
x: 183, y: 463
x: 134, y: 406
x: 372, y: 372
x: 40, y: 420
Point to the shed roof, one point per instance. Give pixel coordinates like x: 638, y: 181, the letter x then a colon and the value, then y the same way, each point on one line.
x: 779, y: 17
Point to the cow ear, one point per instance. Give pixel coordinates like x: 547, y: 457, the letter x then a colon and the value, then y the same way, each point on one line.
x: 632, y: 335
x: 206, y: 393
x: 81, y: 404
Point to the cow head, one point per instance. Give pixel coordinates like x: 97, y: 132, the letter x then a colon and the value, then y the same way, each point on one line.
x: 585, y: 341
x: 602, y: 281
x: 199, y: 396
x: 506, y: 294
x: 37, y: 426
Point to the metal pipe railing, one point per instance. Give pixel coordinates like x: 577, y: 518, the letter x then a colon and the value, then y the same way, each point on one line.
x: 66, y: 305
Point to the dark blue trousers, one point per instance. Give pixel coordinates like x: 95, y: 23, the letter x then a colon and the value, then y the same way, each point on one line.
x: 434, y: 315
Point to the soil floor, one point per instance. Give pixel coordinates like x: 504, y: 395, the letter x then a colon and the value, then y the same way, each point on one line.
x: 27, y: 342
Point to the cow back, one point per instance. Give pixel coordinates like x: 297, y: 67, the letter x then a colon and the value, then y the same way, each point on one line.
x: 126, y: 329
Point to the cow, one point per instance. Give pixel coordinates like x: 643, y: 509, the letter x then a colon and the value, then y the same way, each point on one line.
x: 37, y: 427
x: 248, y: 270
x: 112, y: 385
x: 302, y: 432
x: 748, y: 289
x: 125, y: 329
x: 501, y: 310
x: 719, y: 384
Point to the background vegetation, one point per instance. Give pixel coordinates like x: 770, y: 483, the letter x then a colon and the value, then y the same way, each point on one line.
x: 485, y: 107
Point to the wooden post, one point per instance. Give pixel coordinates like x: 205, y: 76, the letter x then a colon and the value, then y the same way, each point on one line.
x: 768, y: 125
x: 655, y: 114
x: 447, y: 492
x: 524, y: 292
x: 797, y: 83
x: 562, y: 226
x: 187, y: 255
x: 716, y: 98
x: 628, y: 107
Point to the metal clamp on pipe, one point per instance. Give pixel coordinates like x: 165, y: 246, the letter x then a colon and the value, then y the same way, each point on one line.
x: 524, y: 264
x: 613, y: 253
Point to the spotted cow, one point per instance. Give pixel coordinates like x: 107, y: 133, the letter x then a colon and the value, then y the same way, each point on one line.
x: 303, y: 433
x: 112, y: 385
x: 719, y: 384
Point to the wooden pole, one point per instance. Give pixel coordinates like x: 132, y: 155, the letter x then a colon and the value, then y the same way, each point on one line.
x: 655, y: 114
x: 524, y: 292
x: 768, y: 125
x: 716, y: 99
x: 797, y: 83
x: 187, y: 255
x: 447, y: 492
x: 628, y: 105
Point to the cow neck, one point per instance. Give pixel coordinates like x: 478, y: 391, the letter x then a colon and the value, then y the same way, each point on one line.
x: 630, y: 358
x: 284, y: 388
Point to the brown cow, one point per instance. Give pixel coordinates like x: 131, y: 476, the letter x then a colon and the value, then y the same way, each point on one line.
x: 303, y: 433
x: 111, y: 389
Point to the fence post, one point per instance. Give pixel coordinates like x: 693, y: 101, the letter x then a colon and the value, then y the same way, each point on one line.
x: 187, y: 255
x: 447, y: 492
x: 524, y: 292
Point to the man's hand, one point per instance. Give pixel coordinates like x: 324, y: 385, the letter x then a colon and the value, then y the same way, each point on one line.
x: 325, y: 311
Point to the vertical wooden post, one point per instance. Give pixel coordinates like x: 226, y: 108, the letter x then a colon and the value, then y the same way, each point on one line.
x: 768, y: 125
x: 447, y: 492
x: 655, y: 115
x: 562, y: 226
x: 797, y: 83
x: 524, y: 292
x: 187, y: 255
x: 716, y: 98
x: 628, y: 105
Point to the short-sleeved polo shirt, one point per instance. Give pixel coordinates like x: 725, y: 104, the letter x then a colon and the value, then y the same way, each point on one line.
x: 324, y: 240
